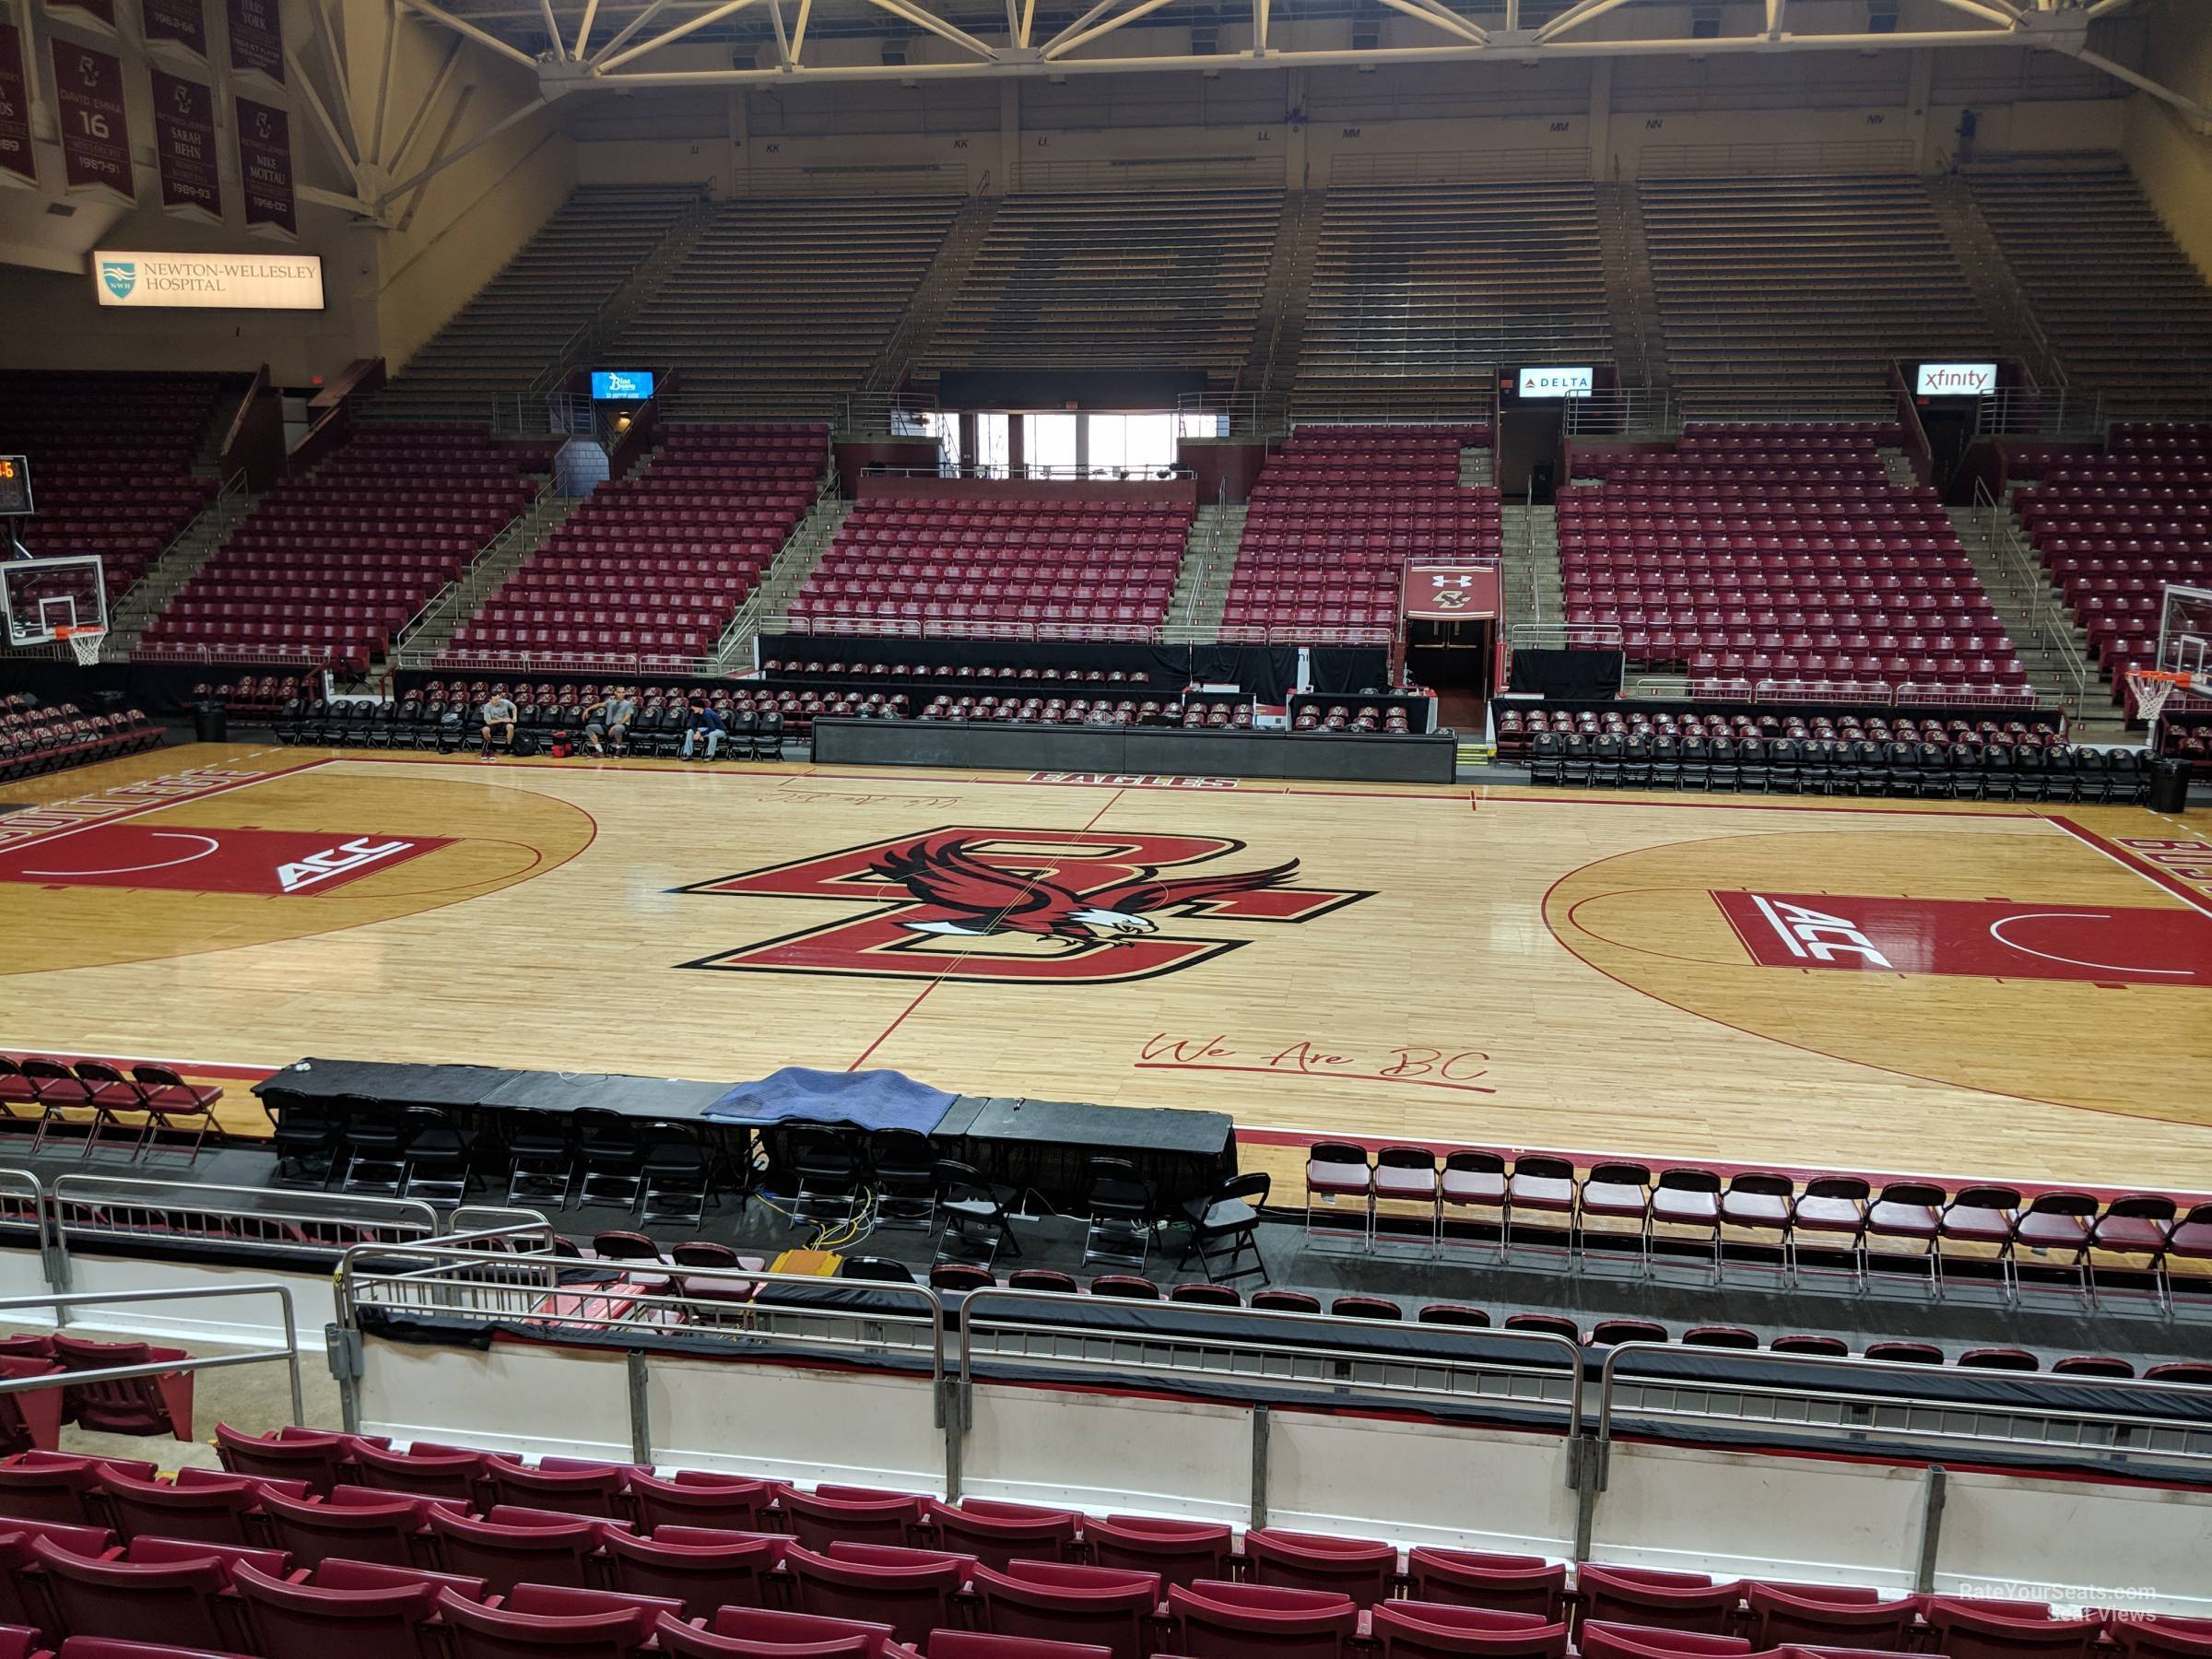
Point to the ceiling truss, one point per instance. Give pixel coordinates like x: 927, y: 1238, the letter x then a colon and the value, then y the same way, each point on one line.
x: 388, y: 171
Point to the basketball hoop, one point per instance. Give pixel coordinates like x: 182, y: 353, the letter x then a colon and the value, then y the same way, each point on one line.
x: 85, y: 641
x: 2152, y: 687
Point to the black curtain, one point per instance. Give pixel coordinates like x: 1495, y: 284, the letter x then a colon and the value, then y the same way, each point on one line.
x: 1568, y: 676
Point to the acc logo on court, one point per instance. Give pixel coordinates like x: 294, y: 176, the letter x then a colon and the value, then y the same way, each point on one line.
x: 267, y: 863
x: 1021, y: 906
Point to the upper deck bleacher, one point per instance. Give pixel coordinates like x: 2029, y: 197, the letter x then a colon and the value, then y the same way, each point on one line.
x: 2122, y: 304
x: 782, y: 305
x: 1419, y: 293
x: 1788, y: 297
x: 1166, y: 280
x: 515, y: 328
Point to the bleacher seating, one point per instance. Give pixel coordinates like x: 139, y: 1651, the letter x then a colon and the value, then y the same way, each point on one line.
x: 1165, y: 280
x: 1053, y: 566
x: 331, y: 566
x: 654, y: 567
x: 783, y: 303
x: 1779, y: 295
x: 36, y: 738
x: 764, y: 1568
x: 1335, y: 513
x: 2114, y: 530
x: 1779, y: 554
x: 2127, y: 313
x: 111, y: 461
x: 515, y: 326
x: 1419, y: 294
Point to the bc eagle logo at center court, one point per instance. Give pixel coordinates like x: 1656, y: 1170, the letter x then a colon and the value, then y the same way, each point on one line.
x: 1023, y: 906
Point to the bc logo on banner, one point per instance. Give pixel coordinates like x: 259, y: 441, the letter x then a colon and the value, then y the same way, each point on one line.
x: 619, y: 385
x: 119, y: 275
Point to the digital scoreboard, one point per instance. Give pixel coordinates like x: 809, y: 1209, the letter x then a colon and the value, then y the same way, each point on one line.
x: 14, y: 486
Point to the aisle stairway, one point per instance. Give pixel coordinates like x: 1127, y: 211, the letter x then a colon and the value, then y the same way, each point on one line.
x: 130, y: 615
x: 768, y: 608
x: 512, y: 550
x: 1209, y: 562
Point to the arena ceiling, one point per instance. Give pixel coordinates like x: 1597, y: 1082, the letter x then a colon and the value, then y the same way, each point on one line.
x: 625, y: 44
x: 578, y: 48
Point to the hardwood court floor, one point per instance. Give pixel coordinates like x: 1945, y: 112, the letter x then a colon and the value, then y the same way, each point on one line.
x: 2003, y: 991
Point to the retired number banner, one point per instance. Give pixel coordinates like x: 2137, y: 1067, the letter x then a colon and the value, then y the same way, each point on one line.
x: 256, y: 38
x: 264, y: 162
x: 16, y: 161
x: 184, y: 146
x: 96, y: 132
x: 176, y: 22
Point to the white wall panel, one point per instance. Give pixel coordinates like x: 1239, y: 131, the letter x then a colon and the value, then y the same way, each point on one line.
x: 1107, y: 1453
x: 513, y: 1397
x: 806, y: 1426
x: 1420, y: 1483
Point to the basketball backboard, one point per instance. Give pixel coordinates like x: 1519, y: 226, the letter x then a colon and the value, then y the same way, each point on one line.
x: 41, y: 597
x: 2186, y: 636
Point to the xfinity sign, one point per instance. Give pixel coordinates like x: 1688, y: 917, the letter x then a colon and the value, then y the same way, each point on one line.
x: 1555, y: 382
x: 1958, y: 380
x: 208, y: 281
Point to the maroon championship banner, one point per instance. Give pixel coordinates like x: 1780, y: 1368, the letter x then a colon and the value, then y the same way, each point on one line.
x: 256, y: 38
x: 184, y: 147
x: 264, y: 162
x: 96, y: 132
x: 177, y: 23
x: 94, y: 14
x: 16, y: 161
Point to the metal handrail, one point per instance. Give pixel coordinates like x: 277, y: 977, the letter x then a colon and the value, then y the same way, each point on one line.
x: 1159, y: 1347
x: 1919, y: 1404
x: 290, y: 1353
x: 351, y: 1281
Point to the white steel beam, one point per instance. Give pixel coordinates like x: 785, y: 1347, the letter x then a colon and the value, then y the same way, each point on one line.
x: 1108, y: 27
x: 729, y: 8
x: 1997, y: 11
x: 515, y: 117
x: 937, y: 26
x: 2143, y: 83
x: 583, y: 29
x: 340, y: 150
x: 628, y: 29
x: 438, y: 14
x: 1575, y: 15
x: 554, y: 43
x: 1437, y: 16
x: 422, y: 111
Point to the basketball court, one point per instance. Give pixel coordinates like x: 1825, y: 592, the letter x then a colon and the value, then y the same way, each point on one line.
x: 1995, y: 991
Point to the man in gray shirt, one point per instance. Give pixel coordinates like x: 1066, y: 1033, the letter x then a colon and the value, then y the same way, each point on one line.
x: 499, y: 716
x: 608, y: 720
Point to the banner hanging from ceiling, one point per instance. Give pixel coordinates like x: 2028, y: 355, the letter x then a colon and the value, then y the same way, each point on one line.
x: 256, y: 39
x: 185, y: 147
x: 265, y: 164
x: 19, y: 164
x: 96, y: 130
x: 176, y: 23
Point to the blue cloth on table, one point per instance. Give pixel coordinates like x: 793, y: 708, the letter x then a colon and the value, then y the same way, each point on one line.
x: 869, y: 1100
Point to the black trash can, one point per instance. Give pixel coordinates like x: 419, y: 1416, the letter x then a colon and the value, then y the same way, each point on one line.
x: 211, y: 720
x: 2169, y: 784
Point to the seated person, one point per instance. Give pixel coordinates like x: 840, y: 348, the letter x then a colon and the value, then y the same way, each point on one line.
x: 608, y: 720
x: 499, y: 718
x: 702, y: 722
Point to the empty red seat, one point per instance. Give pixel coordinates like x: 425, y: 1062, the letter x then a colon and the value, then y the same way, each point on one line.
x: 344, y: 1609
x: 851, y: 1514
x: 535, y: 1619
x: 1827, y: 1616
x: 1057, y: 1601
x: 315, y: 1459
x: 1675, y: 1601
x: 995, y: 1532
x: 1505, y: 1583
x: 762, y: 1633
x: 1181, y: 1552
x: 1418, y: 1630
x: 510, y: 1547
x: 1359, y: 1567
x: 1213, y: 1619
x: 695, y: 1498
x: 701, y: 1568
x: 910, y: 1590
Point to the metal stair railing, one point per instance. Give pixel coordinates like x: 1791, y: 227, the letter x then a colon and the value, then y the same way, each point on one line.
x: 2052, y: 629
